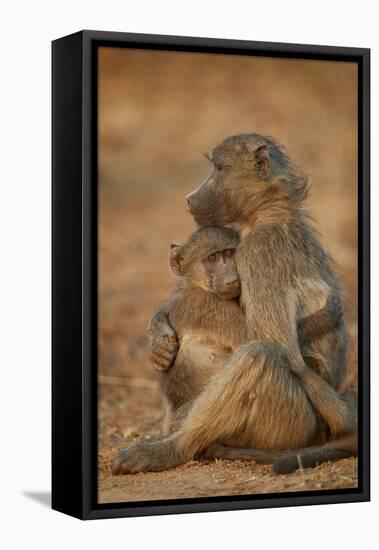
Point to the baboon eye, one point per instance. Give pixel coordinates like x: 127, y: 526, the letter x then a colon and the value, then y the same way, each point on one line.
x: 212, y: 258
x: 218, y: 167
x: 229, y: 252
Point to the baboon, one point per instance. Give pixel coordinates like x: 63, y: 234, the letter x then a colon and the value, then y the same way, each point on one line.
x: 205, y: 312
x: 285, y: 275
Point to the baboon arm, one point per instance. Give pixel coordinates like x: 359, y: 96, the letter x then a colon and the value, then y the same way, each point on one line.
x: 162, y: 339
x: 267, y: 294
x: 269, y: 318
x: 270, y: 305
x: 322, y: 322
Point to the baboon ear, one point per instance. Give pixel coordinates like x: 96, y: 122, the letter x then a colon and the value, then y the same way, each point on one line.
x: 176, y: 259
x: 262, y: 161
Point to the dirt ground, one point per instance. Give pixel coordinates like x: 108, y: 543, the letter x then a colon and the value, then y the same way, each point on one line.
x: 158, y: 113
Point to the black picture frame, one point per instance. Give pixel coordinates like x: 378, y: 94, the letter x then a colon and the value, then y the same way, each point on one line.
x: 74, y: 273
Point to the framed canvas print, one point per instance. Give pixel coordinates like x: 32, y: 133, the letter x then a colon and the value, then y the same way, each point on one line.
x: 210, y: 275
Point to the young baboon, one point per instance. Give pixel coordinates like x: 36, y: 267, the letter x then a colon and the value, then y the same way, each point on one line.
x: 266, y: 395
x: 204, y: 310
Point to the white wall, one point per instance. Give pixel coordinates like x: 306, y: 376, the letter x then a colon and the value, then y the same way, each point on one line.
x: 26, y: 31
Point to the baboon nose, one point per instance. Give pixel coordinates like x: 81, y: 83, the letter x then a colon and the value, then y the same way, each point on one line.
x: 232, y: 284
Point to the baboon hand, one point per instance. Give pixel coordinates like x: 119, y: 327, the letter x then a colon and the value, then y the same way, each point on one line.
x: 163, y: 347
x: 335, y: 308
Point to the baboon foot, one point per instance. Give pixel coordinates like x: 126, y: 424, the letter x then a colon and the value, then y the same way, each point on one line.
x: 147, y: 456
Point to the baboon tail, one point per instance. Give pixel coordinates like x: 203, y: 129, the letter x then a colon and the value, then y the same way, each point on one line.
x: 312, y: 456
x: 285, y: 461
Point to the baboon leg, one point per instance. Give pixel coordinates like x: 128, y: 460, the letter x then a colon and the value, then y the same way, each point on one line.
x: 178, y: 416
x: 173, y: 418
x: 255, y: 399
x: 147, y: 456
x: 168, y: 419
x: 155, y: 454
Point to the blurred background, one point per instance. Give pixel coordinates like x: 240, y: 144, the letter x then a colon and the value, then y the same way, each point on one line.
x: 158, y: 113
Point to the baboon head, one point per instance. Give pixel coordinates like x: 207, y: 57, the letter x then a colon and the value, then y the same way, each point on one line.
x: 207, y: 261
x: 249, y: 172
